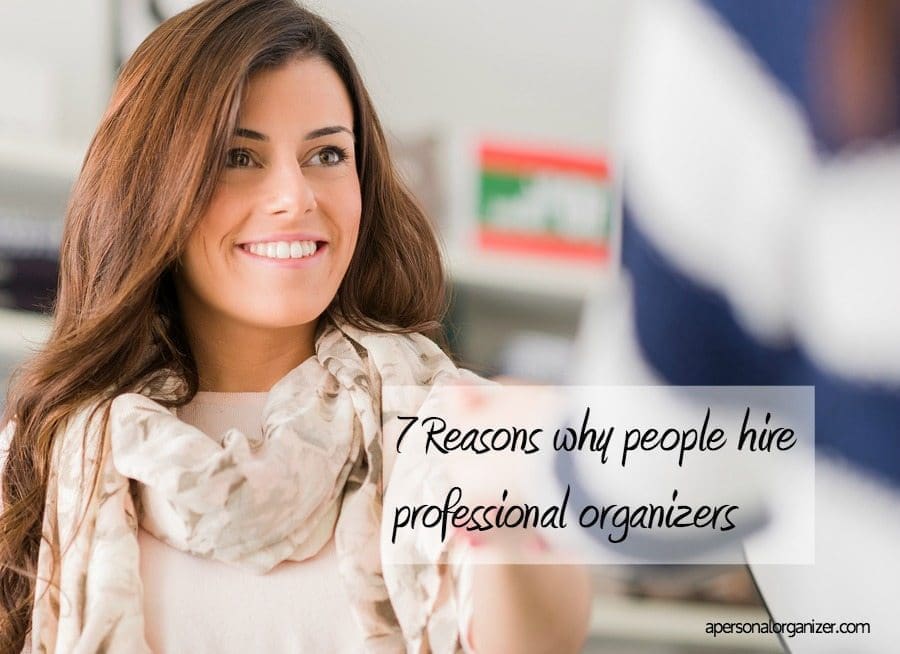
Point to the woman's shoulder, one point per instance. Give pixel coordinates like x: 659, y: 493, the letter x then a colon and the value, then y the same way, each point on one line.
x: 386, y: 334
x: 6, y: 434
x: 407, y: 358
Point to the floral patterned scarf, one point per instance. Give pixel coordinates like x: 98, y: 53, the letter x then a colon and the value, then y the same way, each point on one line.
x: 316, y: 470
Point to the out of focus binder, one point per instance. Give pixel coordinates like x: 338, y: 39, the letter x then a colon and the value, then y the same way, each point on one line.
x: 29, y: 261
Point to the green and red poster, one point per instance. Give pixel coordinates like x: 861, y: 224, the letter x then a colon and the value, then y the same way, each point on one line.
x: 544, y: 202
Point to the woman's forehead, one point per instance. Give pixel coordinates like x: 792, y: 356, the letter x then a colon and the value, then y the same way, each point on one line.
x: 306, y: 93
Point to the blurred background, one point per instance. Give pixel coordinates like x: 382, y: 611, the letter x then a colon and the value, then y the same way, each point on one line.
x: 513, y: 122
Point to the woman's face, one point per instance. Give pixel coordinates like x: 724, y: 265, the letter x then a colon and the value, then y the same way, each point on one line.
x: 278, y: 235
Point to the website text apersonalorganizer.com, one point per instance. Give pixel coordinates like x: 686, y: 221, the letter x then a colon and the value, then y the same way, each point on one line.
x: 789, y: 629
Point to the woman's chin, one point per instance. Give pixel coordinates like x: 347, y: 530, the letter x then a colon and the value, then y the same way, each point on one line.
x: 279, y: 318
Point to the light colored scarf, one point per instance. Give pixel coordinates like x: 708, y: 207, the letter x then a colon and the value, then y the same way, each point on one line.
x: 252, y: 502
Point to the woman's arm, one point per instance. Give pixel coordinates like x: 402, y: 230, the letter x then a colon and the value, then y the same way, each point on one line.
x: 529, y: 608
x: 525, y: 608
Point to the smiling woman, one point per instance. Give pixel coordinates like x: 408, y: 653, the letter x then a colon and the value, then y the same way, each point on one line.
x: 194, y: 461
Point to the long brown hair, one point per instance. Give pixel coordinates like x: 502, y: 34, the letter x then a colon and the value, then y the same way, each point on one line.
x: 147, y: 177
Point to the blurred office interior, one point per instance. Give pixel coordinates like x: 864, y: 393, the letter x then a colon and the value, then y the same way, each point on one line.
x: 459, y: 87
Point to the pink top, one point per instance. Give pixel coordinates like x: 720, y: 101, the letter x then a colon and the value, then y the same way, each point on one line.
x: 200, y: 606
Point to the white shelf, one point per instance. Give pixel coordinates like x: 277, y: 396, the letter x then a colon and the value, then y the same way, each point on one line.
x: 22, y: 332
x: 59, y: 163
x: 527, y: 274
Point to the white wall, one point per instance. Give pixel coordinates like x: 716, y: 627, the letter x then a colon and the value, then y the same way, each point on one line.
x: 57, y: 50
x: 518, y: 68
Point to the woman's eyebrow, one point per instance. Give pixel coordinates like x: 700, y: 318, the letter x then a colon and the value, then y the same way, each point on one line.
x: 327, y: 131
x: 316, y: 133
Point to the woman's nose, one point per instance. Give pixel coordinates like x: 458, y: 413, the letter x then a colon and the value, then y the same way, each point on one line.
x: 288, y: 192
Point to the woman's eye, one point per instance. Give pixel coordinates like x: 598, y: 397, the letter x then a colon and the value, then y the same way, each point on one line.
x: 331, y: 156
x: 238, y: 158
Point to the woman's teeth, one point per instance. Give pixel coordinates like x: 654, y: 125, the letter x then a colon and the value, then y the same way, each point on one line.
x: 282, y: 249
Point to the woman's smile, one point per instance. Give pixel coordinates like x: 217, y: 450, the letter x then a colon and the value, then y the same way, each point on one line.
x: 285, y: 250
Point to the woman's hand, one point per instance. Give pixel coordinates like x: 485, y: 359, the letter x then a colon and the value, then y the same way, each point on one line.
x: 539, y: 608
x: 535, y: 607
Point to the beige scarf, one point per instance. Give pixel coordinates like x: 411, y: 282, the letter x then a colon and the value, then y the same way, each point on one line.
x: 315, y: 471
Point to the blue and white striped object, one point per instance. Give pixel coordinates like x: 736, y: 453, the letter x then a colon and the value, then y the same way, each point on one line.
x: 755, y: 255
